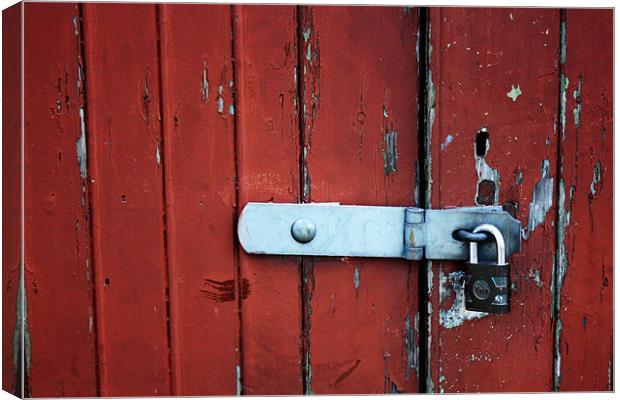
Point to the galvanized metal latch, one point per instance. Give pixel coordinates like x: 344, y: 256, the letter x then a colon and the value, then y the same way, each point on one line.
x: 331, y: 229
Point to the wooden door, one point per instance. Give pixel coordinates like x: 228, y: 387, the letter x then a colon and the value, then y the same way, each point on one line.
x: 147, y: 128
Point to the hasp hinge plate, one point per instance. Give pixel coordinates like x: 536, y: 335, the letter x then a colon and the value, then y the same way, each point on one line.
x: 331, y: 229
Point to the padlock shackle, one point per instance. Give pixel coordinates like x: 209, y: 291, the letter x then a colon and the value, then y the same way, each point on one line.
x: 499, y: 239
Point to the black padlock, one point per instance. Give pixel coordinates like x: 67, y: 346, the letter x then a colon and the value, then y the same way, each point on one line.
x: 487, y: 284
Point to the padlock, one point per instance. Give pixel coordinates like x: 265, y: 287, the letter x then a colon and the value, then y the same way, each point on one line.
x: 487, y: 284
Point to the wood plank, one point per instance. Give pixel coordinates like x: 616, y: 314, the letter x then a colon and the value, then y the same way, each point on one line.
x: 11, y: 193
x: 121, y: 56
x: 495, y: 68
x: 359, y: 79
x: 57, y: 228
x: 199, y: 157
x: 265, y: 50
x: 585, y: 256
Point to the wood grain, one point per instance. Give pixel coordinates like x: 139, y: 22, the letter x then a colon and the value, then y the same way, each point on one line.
x: 495, y: 69
x: 124, y: 130
x: 11, y: 193
x: 585, y: 255
x: 199, y: 162
x: 265, y: 39
x: 359, y: 79
x: 59, y: 279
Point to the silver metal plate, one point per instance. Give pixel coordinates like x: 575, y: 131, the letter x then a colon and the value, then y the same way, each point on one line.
x: 370, y: 231
x: 344, y: 231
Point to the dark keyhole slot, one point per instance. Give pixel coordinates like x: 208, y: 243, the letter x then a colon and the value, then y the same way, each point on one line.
x: 482, y: 138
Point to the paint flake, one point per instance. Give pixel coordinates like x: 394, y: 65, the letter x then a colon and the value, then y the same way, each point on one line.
x: 80, y: 146
x: 542, y: 199
x: 514, y: 93
x: 447, y: 142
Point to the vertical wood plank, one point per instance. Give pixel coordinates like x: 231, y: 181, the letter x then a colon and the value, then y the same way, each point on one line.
x: 11, y: 191
x: 359, y: 78
x: 585, y: 254
x: 123, y: 96
x: 498, y: 69
x: 265, y: 40
x: 57, y: 234
x: 198, y: 115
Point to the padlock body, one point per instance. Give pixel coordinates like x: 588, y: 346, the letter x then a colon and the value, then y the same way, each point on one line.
x: 487, y: 287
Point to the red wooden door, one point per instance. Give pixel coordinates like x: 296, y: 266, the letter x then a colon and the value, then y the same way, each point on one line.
x: 147, y: 128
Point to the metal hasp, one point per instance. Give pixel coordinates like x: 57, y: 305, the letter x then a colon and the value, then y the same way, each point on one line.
x: 331, y: 229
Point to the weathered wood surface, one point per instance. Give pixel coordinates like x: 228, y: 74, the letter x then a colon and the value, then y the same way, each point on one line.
x: 58, y: 267
x: 198, y: 156
x: 124, y: 165
x: 495, y: 69
x: 265, y: 42
x: 11, y: 197
x: 149, y: 127
x: 359, y: 104
x: 585, y: 256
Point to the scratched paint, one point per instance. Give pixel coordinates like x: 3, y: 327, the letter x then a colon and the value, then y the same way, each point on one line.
x: 597, y: 175
x: 21, y: 335
x: 390, y: 152
x: 356, y: 278
x: 542, y: 199
x: 564, y: 82
x: 220, y: 99
x: 577, y: 108
x: 410, y: 346
x: 204, y: 86
x: 80, y: 147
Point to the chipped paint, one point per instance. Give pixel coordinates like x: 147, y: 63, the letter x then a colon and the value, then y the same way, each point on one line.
x: 534, y: 275
x: 430, y: 385
x: 485, y: 172
x: 563, y: 42
x: 557, y: 357
x: 231, y: 109
x: 80, y: 147
x: 447, y: 142
x: 239, y: 386
x: 356, y: 278
x: 597, y: 175
x: 306, y: 176
x: 390, y: 152
x: 457, y: 314
x: 430, y: 117
x: 204, y: 87
x: 157, y: 155
x: 410, y: 346
x: 22, y: 348
x: 542, y: 199
x: 564, y: 82
x: 514, y: 93
x: 577, y: 108
x: 220, y: 99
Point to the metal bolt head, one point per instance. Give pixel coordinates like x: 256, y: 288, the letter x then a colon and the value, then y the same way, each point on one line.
x: 303, y: 230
